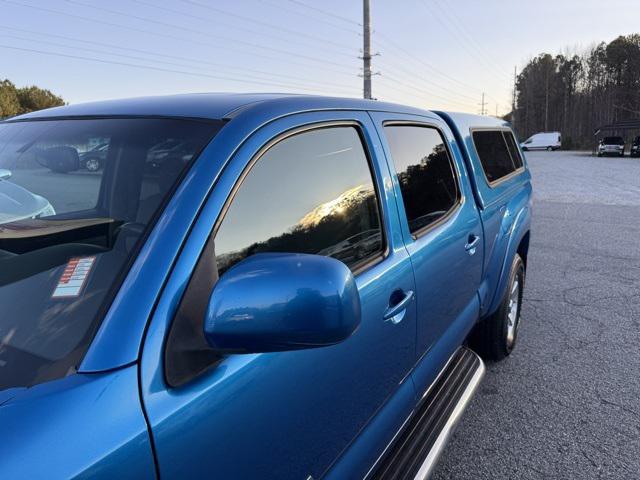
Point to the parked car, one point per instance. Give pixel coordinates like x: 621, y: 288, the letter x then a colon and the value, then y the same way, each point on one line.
x: 543, y: 141
x: 206, y: 337
x: 18, y: 203
x: 611, y: 146
x: 93, y: 159
x: 635, y: 147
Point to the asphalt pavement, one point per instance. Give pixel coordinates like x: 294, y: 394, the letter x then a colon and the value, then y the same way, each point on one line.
x: 566, y: 403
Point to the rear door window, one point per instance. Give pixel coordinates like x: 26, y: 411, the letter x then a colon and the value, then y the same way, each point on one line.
x: 312, y: 192
x: 497, y: 152
x: 425, y: 173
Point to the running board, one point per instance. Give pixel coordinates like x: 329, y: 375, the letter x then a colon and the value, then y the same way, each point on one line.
x: 415, y: 450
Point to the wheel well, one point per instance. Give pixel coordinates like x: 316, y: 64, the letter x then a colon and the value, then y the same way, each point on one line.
x: 523, y: 248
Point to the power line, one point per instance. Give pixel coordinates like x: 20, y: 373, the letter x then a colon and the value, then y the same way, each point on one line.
x: 160, y: 69
x: 457, y: 23
x: 324, y: 12
x: 427, y: 101
x: 347, y: 20
x: 166, y: 35
x: 390, y: 67
x: 322, y: 20
x: 465, y: 40
x: 416, y: 58
x: 412, y: 89
x: 279, y: 28
x: 135, y: 57
x: 191, y: 29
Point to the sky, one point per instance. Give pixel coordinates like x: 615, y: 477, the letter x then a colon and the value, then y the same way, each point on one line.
x: 434, y: 54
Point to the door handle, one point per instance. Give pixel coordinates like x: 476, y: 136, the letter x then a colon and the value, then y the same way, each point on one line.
x: 472, y: 243
x: 395, y: 313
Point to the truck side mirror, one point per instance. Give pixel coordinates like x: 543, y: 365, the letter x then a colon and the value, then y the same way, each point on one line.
x: 278, y: 301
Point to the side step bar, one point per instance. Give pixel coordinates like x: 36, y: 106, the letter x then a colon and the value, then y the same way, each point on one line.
x: 415, y: 450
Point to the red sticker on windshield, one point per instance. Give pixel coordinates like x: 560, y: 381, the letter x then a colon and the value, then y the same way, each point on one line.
x: 74, y: 277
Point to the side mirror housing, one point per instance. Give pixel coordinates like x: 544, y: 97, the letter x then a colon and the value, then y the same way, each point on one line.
x: 274, y: 302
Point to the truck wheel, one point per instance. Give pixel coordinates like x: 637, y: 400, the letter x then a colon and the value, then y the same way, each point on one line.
x: 494, y: 338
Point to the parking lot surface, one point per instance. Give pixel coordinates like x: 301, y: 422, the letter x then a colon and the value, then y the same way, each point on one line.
x: 566, y: 404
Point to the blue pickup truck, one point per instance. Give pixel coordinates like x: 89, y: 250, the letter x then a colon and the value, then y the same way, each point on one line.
x: 295, y: 290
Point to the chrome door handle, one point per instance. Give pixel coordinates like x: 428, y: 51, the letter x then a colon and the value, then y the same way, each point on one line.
x: 395, y: 313
x: 473, y: 241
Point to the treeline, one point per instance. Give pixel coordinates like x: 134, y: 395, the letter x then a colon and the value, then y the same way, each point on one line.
x: 575, y: 94
x: 14, y: 101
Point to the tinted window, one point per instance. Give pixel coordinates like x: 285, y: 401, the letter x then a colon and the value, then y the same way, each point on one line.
x: 613, y: 141
x: 513, y: 149
x: 494, y: 154
x: 425, y: 173
x: 67, y: 238
x: 310, y: 193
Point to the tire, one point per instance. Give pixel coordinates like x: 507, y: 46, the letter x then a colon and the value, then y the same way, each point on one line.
x: 549, y: 149
x: 495, y: 337
x: 93, y: 164
x: 599, y: 154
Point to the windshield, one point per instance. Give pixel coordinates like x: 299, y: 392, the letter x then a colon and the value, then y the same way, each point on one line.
x: 613, y: 141
x: 67, y: 233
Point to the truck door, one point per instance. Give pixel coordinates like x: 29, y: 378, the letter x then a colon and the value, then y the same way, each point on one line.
x: 308, y: 183
x: 442, y: 228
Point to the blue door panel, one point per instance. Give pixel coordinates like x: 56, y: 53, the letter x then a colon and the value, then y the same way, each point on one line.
x: 360, y: 456
x: 447, y: 275
x: 288, y: 414
x: 433, y: 361
x: 79, y: 426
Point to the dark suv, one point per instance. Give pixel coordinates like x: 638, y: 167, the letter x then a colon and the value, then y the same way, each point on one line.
x: 635, y: 147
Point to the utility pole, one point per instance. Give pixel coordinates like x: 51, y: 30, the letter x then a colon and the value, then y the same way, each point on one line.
x: 513, y: 100
x: 366, y: 51
x: 483, y: 104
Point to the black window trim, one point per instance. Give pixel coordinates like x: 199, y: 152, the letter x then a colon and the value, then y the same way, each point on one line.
x: 456, y: 175
x: 366, y: 263
x: 493, y: 184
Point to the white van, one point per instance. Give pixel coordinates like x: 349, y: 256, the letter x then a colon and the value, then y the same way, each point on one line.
x: 543, y: 141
